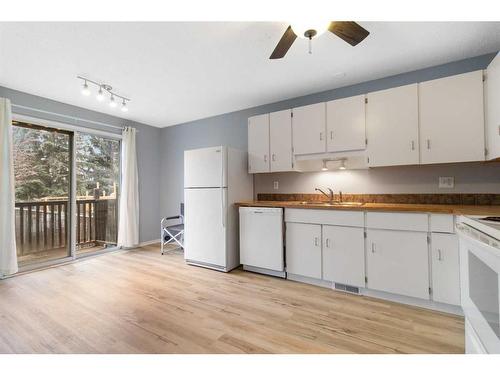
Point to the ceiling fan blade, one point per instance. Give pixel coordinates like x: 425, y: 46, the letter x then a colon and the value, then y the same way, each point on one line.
x: 349, y: 31
x: 284, y: 44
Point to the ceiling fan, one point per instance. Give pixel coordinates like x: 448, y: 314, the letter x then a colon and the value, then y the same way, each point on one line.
x: 349, y: 31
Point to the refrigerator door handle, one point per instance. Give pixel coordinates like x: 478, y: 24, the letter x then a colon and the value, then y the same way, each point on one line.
x: 223, y: 208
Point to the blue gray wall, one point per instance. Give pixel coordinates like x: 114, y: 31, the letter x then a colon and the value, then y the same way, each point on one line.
x: 148, y: 145
x: 231, y: 129
x: 161, y: 151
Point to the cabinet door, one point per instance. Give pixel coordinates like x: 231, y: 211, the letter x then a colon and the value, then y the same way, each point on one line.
x: 345, y: 124
x: 280, y: 130
x: 309, y: 126
x: 258, y: 144
x: 452, y: 119
x: 445, y: 268
x: 392, y: 126
x: 344, y: 255
x: 492, y: 97
x: 398, y: 262
x: 303, y: 249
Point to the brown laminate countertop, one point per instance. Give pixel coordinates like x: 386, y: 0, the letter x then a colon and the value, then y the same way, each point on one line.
x: 388, y: 207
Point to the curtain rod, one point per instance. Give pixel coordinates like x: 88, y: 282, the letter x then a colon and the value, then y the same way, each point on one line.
x: 68, y: 117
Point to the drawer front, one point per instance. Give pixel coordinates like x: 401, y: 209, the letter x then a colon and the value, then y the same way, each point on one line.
x: 326, y: 217
x: 397, y: 221
x: 442, y: 223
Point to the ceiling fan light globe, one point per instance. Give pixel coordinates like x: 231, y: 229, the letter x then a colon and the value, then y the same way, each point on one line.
x: 302, y: 28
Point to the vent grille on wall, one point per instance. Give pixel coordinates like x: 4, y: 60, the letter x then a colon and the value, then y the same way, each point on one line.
x: 346, y: 288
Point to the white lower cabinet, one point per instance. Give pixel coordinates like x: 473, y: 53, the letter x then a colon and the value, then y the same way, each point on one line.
x: 445, y: 268
x: 397, y: 262
x: 344, y: 255
x: 303, y: 249
x: 392, y: 257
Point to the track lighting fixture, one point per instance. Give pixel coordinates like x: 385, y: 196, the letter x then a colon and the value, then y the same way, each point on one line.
x: 103, y: 87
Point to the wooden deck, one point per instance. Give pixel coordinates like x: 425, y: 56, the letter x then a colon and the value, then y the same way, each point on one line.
x: 138, y: 301
x: 52, y: 254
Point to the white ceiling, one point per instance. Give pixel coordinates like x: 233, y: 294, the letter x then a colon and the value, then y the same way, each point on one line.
x: 177, y: 72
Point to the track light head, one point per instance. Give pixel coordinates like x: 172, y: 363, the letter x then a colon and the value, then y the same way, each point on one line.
x: 124, y: 106
x: 112, y: 101
x: 100, y: 94
x: 85, y: 89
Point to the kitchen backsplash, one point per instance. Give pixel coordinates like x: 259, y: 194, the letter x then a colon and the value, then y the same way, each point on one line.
x: 475, y: 178
x: 459, y: 199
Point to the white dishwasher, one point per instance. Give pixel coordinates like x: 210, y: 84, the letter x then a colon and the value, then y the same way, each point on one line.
x: 261, y: 240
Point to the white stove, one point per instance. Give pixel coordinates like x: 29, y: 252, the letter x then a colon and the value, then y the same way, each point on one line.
x: 489, y: 225
x: 480, y: 282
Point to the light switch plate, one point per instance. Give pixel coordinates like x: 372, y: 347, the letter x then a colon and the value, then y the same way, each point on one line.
x: 276, y: 185
x: 446, y: 182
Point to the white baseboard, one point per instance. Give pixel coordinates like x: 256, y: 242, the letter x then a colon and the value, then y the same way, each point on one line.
x: 426, y: 304
x: 146, y: 243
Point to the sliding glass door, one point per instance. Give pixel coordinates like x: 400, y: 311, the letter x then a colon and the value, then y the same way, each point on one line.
x: 42, y: 170
x: 97, y: 191
x: 67, y: 188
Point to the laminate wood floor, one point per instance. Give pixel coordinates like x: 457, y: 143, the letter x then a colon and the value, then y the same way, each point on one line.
x: 138, y: 301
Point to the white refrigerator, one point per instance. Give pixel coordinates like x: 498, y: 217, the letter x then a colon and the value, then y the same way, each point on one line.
x: 214, y: 179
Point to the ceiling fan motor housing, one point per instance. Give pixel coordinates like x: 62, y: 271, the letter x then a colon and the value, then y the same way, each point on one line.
x: 311, y: 33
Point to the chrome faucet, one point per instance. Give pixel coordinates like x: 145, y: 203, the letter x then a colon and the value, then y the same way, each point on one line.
x: 329, y: 196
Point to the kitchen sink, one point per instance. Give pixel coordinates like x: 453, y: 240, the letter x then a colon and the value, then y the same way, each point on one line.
x: 332, y: 204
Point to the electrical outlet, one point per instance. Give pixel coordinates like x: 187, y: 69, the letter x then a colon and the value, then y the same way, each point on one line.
x: 276, y: 185
x: 446, y: 182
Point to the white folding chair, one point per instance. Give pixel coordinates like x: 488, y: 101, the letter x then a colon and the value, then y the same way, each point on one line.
x: 172, y: 233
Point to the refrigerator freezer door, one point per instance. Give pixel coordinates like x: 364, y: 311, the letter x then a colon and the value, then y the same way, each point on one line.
x: 205, y: 226
x: 205, y: 167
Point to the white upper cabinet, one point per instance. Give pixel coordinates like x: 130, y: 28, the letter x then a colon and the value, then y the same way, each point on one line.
x: 258, y: 144
x: 280, y: 130
x: 492, y: 97
x: 345, y: 124
x: 309, y: 127
x: 392, y: 126
x: 452, y: 119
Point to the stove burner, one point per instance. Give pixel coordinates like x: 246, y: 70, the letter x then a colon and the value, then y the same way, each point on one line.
x: 492, y: 218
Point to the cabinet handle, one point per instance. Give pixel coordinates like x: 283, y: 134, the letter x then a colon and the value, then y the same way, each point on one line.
x: 428, y: 144
x: 413, y: 145
x: 316, y: 241
x: 331, y: 134
x: 265, y: 158
x: 327, y: 242
x: 274, y: 157
x: 373, y: 247
x: 321, y: 136
x: 440, y: 258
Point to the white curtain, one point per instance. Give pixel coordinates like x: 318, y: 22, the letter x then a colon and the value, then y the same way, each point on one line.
x: 128, y: 223
x: 8, y: 255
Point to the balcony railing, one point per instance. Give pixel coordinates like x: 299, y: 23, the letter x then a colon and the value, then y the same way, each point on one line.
x: 42, y: 226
